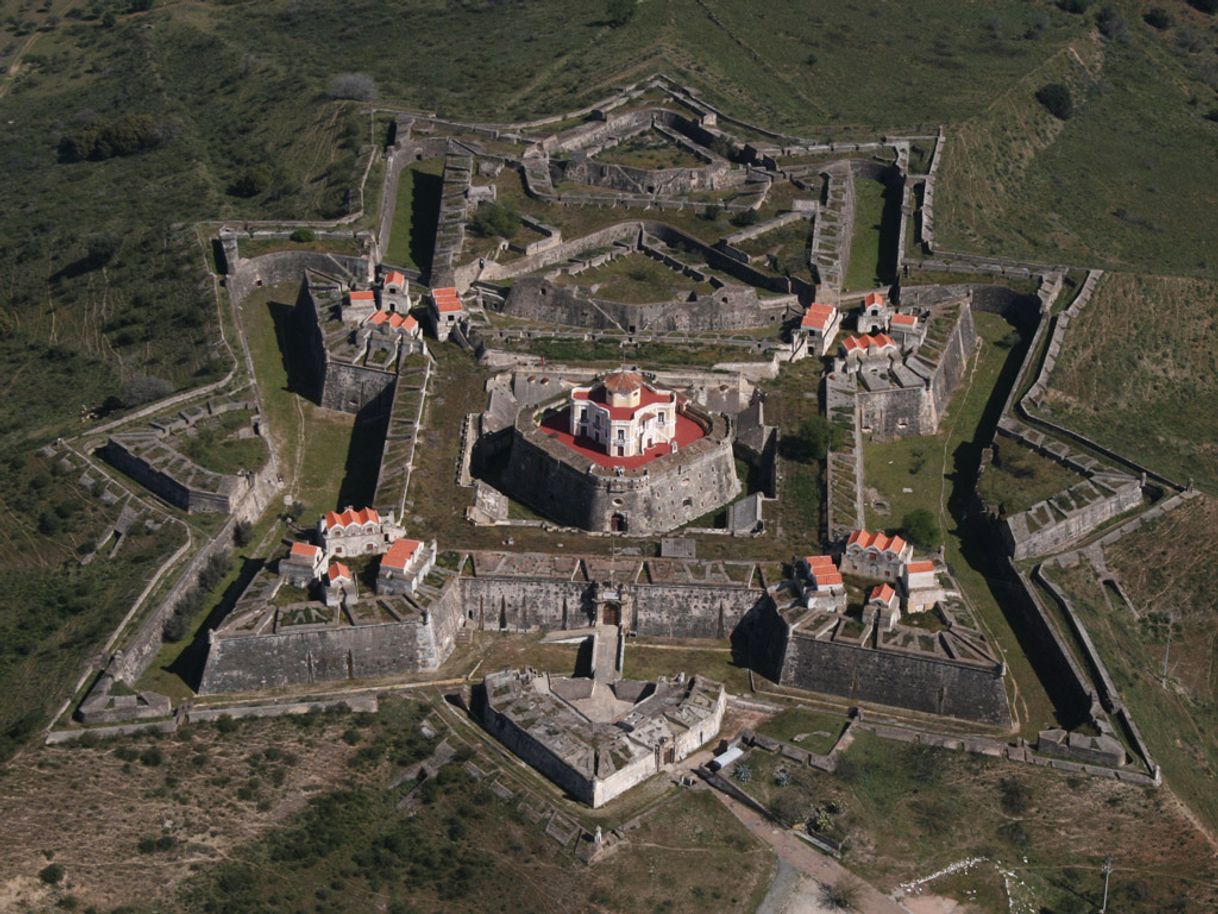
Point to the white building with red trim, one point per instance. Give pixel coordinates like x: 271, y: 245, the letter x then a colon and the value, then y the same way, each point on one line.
x: 883, y: 607
x: 445, y: 309
x: 303, y: 564
x: 876, y: 556
x: 394, y: 322
x: 350, y: 532
x: 404, y: 566
x: 908, y: 330
x: 868, y: 351
x: 623, y: 414
x: 875, y: 315
x: 819, y: 325
x: 339, y: 585
x: 820, y: 583
x: 358, y: 305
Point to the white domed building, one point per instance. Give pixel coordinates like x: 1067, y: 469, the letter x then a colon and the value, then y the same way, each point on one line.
x: 624, y: 415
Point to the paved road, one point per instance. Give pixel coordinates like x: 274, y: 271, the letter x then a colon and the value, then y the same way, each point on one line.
x: 808, y: 861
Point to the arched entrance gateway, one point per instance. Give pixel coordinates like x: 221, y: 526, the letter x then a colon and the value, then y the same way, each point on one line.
x: 617, y: 523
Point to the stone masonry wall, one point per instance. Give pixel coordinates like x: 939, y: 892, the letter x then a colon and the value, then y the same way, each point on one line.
x: 900, y: 680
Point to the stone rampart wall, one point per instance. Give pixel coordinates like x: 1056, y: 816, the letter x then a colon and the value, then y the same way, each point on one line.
x: 1021, y: 542
x: 258, y: 662
x: 901, y: 680
x: 536, y: 755
x: 675, y: 490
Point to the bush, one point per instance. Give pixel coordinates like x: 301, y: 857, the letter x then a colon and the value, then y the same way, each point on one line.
x: 493, y: 219
x: 921, y: 528
x: 243, y: 533
x: 1158, y: 18
x: 815, y: 437
x: 302, y: 236
x: 1074, y: 6
x: 1057, y: 100
x: 843, y: 895
x: 1014, y: 795
x: 358, y: 86
x: 141, y: 390
x: 619, y: 12
x: 226, y: 724
x: 745, y: 218
x: 124, y: 135
x: 51, y: 874
x: 251, y: 182
x: 1205, y: 6
x: 152, y: 756
x: 1112, y: 24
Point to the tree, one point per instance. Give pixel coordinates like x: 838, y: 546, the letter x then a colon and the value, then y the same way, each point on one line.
x: 745, y: 217
x: 496, y: 218
x: 1159, y: 18
x: 815, y: 438
x: 1057, y: 100
x: 140, y: 390
x: 1206, y: 6
x: 921, y: 528
x: 619, y: 12
x: 358, y: 86
x: 843, y: 895
x: 51, y: 874
x: 251, y: 182
x: 302, y: 236
x: 242, y: 533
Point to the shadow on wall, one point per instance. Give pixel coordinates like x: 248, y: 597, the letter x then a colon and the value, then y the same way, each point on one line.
x: 363, y: 464
x: 424, y: 213
x: 296, y: 359
x: 188, y: 665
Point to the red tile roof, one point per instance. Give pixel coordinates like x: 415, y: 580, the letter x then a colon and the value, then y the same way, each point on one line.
x: 826, y: 578
x: 874, y: 298
x: 378, y: 318
x: 395, y: 278
x: 362, y: 297
x: 350, y: 516
x: 819, y: 561
x: 878, y: 540
x: 400, y: 322
x: 305, y: 551
x: 916, y: 567
x: 905, y: 320
x: 883, y: 592
x: 818, y: 317
x: 446, y: 299
x: 558, y: 427
x: 867, y: 341
x: 400, y: 554
x: 648, y: 396
x: 339, y: 570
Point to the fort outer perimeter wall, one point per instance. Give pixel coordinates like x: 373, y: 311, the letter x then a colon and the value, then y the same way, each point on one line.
x: 524, y: 604
x: 893, y: 678
x: 249, y: 663
x: 691, y: 610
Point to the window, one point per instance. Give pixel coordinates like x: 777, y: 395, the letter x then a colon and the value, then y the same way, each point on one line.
x: 621, y: 434
x: 660, y: 419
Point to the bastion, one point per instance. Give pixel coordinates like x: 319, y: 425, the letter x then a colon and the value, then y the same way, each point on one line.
x: 560, y: 470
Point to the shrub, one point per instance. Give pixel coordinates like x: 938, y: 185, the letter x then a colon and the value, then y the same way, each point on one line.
x: 140, y: 390
x: 226, y: 724
x: 242, y: 533
x: 921, y: 528
x: 1057, y: 100
x: 816, y: 436
x: 124, y: 135
x: 745, y: 217
x: 152, y: 756
x: 251, y: 182
x: 499, y: 219
x: 843, y: 895
x: 1014, y: 795
x: 51, y: 874
x: 358, y: 86
x: 1111, y: 24
x: 302, y: 236
x: 619, y: 12
x: 1074, y: 6
x: 1158, y: 18
x: 1205, y: 6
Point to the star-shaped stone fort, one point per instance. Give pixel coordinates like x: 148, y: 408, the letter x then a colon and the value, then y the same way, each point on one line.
x: 652, y: 223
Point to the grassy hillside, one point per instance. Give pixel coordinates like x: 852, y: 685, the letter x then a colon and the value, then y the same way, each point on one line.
x: 1119, y: 183
x: 1174, y: 599
x: 1134, y: 369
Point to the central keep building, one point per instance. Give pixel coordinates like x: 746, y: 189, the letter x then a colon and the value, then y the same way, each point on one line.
x: 621, y: 455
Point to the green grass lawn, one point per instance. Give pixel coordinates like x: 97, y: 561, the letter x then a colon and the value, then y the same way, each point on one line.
x: 215, y: 445
x: 820, y: 728
x: 1019, y: 477
x: 413, y: 233
x: 1133, y: 370
x: 877, y: 222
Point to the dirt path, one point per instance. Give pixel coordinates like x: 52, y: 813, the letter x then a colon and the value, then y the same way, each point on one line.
x: 803, y: 858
